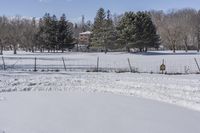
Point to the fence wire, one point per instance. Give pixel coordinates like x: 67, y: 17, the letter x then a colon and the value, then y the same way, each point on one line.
x: 99, y: 64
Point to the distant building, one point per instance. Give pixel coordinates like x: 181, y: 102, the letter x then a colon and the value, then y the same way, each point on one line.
x: 84, y: 38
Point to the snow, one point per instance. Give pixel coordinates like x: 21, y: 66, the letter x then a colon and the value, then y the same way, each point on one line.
x: 86, y: 33
x: 181, y: 90
x: 53, y: 112
x: 147, y: 62
x: 78, y: 101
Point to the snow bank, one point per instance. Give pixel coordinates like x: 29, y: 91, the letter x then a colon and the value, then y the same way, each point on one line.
x: 58, y: 112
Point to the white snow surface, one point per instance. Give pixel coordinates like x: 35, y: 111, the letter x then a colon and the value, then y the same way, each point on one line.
x: 183, y: 90
x: 146, y: 62
x: 74, y: 102
x: 70, y: 112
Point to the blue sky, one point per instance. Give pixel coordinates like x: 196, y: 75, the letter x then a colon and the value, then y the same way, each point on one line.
x: 74, y: 9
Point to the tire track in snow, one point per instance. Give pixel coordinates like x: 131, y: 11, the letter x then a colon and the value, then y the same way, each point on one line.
x: 180, y: 90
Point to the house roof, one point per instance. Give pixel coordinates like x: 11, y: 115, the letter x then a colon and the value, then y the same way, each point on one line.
x: 86, y: 33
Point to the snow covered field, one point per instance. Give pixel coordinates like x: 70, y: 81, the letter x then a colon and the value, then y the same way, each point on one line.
x: 183, y: 90
x: 74, y: 101
x: 149, y: 62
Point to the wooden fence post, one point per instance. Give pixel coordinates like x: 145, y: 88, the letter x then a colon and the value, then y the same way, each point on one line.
x: 163, y: 62
x: 35, y: 65
x: 64, y: 64
x: 4, y: 65
x: 129, y: 63
x: 197, y: 64
x: 97, y: 64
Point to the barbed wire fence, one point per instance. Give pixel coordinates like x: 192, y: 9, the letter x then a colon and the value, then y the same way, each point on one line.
x: 98, y: 64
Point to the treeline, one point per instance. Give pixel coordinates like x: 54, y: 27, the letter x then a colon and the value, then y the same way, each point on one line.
x: 179, y: 29
x: 128, y: 31
x: 138, y: 31
x: 172, y: 30
x: 54, y: 34
x: 47, y: 33
x: 16, y: 33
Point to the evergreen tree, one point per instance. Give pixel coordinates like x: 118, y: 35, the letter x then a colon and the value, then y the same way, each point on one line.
x: 110, y: 33
x: 83, y: 26
x: 153, y: 39
x: 98, y: 30
x: 139, y: 40
x: 126, y: 30
x: 138, y: 31
x: 47, y: 31
x: 40, y: 36
x: 145, y: 32
x: 54, y: 32
x: 65, y: 35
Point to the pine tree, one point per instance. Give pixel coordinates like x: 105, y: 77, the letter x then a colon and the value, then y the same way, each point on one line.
x: 138, y: 31
x: 47, y: 31
x: 126, y: 30
x: 40, y: 36
x: 65, y: 35
x: 139, y: 39
x: 145, y: 32
x: 110, y: 32
x: 53, y: 32
x: 83, y: 26
x: 88, y: 25
x: 98, y: 30
x: 153, y: 39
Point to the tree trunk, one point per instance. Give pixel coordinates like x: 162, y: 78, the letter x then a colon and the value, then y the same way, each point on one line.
x: 15, y: 49
x: 174, y: 46
x: 32, y: 50
x: 145, y: 49
x: 186, y: 44
x: 1, y: 47
x: 198, y: 42
x: 77, y: 47
x: 127, y: 47
x: 1, y: 50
